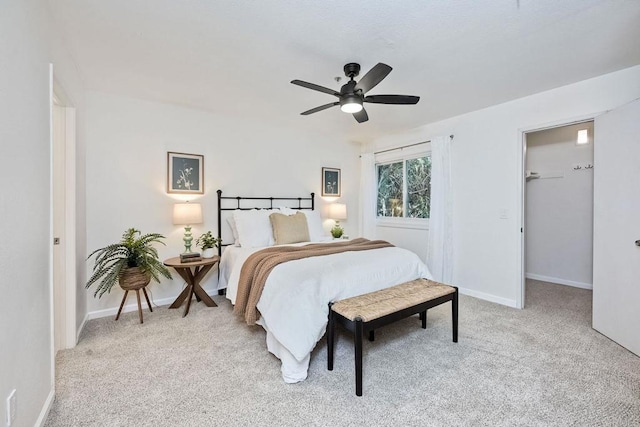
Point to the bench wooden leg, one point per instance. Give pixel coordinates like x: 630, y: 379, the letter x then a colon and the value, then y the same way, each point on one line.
x: 330, y: 338
x: 454, y: 315
x: 423, y: 317
x: 357, y: 338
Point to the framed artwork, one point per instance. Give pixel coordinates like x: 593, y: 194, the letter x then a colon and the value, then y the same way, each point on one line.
x: 331, y: 182
x: 185, y: 173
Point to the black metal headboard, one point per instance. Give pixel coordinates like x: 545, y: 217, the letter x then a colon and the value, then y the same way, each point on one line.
x: 303, y: 203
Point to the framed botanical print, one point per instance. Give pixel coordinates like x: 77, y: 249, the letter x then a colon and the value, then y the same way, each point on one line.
x: 185, y: 173
x: 331, y: 182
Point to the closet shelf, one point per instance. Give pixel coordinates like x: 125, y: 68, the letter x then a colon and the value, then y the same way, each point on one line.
x: 531, y: 175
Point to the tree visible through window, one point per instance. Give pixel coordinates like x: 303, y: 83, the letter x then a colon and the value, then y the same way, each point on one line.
x: 390, y: 200
x: 404, y: 188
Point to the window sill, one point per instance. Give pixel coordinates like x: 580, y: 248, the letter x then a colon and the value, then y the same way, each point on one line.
x: 412, y: 223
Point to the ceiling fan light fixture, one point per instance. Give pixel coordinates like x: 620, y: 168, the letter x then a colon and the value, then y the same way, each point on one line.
x: 353, y: 94
x: 351, y: 104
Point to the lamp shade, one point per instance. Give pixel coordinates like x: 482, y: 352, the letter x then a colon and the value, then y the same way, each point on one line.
x: 187, y: 213
x: 338, y: 211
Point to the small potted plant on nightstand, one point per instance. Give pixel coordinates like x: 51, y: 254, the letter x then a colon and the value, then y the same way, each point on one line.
x: 337, y: 231
x: 207, y: 242
x: 132, y: 262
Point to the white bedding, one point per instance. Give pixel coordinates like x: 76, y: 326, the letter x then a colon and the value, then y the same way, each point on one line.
x: 294, y: 302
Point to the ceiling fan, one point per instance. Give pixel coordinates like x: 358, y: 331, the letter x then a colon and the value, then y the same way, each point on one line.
x: 352, y: 95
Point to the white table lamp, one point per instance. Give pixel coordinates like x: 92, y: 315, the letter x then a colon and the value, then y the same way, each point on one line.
x: 337, y: 211
x: 187, y: 214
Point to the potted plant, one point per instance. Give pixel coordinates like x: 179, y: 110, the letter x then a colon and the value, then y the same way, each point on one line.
x: 337, y: 231
x: 207, y: 242
x: 132, y: 262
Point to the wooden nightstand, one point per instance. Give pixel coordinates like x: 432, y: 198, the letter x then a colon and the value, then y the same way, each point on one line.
x: 192, y: 273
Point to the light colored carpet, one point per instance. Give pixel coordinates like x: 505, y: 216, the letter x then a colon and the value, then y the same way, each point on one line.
x: 540, y: 366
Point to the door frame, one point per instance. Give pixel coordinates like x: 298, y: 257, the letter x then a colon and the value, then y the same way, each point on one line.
x: 69, y: 332
x: 522, y: 134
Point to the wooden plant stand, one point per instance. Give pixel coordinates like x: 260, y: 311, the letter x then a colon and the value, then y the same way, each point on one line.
x: 124, y: 298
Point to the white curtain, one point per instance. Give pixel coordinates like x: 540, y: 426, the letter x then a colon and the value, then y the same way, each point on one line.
x: 440, y: 245
x: 367, y: 196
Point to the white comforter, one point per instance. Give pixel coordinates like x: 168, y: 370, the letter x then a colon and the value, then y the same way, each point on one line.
x: 294, y: 302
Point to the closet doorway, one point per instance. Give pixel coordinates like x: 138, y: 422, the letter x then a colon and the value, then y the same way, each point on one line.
x: 558, y: 206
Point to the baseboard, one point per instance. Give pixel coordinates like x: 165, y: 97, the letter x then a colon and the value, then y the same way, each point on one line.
x: 84, y: 322
x: 44, y: 413
x: 488, y: 297
x: 97, y: 314
x: 557, y: 281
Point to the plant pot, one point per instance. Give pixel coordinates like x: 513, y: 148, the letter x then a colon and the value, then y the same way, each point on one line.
x: 208, y: 253
x: 133, y: 278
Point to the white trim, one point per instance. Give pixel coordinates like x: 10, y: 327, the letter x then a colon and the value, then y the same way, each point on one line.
x: 97, y: 314
x: 80, y: 329
x: 488, y: 297
x: 397, y: 222
x: 70, y: 227
x: 60, y: 99
x: 562, y: 123
x: 520, y: 293
x: 44, y: 413
x: 52, y: 345
x: 557, y: 281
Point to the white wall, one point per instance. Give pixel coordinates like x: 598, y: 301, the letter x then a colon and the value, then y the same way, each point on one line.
x: 412, y: 239
x: 486, y: 175
x: 559, y: 207
x: 127, y: 144
x: 28, y: 44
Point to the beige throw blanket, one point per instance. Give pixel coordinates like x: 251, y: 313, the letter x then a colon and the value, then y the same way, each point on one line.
x: 257, y: 267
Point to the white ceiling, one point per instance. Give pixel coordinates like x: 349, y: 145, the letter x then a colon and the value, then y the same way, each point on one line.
x: 238, y: 57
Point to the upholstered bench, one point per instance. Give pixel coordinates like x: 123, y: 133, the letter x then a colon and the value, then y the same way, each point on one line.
x: 365, y: 313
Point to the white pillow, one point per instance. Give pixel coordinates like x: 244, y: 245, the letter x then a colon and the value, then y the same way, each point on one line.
x: 234, y: 229
x: 287, y: 211
x: 314, y: 222
x: 254, y: 228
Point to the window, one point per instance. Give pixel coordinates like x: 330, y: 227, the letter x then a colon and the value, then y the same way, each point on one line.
x: 404, y: 188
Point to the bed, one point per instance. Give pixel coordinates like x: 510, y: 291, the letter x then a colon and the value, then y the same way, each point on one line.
x: 293, y: 305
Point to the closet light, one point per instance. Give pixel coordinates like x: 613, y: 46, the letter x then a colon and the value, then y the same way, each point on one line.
x: 583, y: 137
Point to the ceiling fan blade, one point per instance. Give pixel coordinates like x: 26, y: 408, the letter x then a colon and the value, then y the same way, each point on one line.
x: 315, y: 87
x: 373, y: 77
x: 361, y: 116
x: 320, y: 108
x: 392, y: 99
